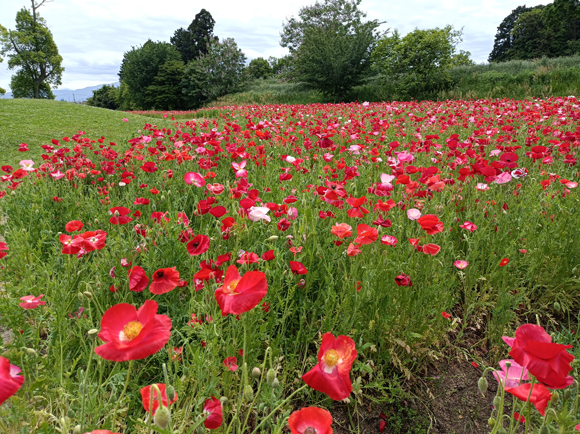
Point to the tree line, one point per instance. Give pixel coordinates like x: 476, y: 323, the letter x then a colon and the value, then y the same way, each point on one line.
x: 332, y: 48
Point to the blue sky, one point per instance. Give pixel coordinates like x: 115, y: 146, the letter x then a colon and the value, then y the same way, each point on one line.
x: 93, y: 35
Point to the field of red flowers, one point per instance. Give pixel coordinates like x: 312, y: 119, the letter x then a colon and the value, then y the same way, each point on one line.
x: 243, y: 274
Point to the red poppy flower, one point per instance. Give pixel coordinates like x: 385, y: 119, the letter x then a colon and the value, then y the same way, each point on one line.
x: 138, y: 280
x: 218, y: 211
x: 310, y: 420
x: 159, y: 217
x: 504, y: 262
x: 431, y: 224
x: 241, y: 294
x: 164, y: 280
x: 141, y: 201
x: 90, y: 240
x: 73, y: 226
x: 248, y: 258
x: 469, y: 226
x: 148, y: 405
x: 131, y: 334
x: 342, y: 230
x: 445, y: 315
x: 547, y: 361
x: 213, y: 409
x: 366, y: 234
x: 120, y: 215
x: 10, y: 381
x: 297, y: 268
x: 230, y: 363
x: 198, y: 245
x: 403, y: 280
x: 268, y: 256
x: 331, y: 375
x: 539, y: 397
x: 353, y: 249
x: 149, y: 167
x: 31, y: 302
x: 431, y: 249
x: 68, y: 246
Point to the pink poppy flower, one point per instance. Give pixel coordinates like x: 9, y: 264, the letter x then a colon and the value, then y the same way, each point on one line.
x: 31, y: 302
x: 413, y: 214
x: 462, y: 265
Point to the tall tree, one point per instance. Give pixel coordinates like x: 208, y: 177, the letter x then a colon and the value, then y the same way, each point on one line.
x: 219, y: 72
x: 31, y: 49
x: 139, y: 68
x: 531, y: 37
x: 331, y: 45
x: 503, y: 38
x: 192, y: 42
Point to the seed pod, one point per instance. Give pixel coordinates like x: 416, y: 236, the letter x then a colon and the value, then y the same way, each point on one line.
x: 162, y: 417
x: 224, y: 400
x: 248, y: 393
x: 270, y: 376
x: 256, y: 373
x: 93, y: 333
x: 170, y: 393
x: 482, y: 385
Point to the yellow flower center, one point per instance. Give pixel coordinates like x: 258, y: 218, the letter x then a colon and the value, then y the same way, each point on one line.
x: 132, y: 329
x: 331, y: 358
x: 231, y: 288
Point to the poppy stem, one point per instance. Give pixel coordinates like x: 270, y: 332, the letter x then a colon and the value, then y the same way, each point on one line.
x: 257, y: 429
x: 121, y: 397
x: 84, y: 389
x: 4, y: 429
x: 258, y: 391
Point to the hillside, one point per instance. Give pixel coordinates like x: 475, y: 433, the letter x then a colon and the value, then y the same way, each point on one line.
x: 37, y: 122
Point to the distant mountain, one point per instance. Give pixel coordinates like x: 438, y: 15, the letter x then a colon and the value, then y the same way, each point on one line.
x: 72, y: 95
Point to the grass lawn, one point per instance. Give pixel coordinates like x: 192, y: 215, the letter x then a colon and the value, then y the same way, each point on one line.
x: 37, y: 122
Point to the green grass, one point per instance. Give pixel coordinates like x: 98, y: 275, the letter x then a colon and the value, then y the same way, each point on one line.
x: 37, y: 122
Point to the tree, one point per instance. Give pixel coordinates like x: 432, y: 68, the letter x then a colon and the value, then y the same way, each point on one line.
x: 193, y: 42
x: 420, y: 60
x: 105, y: 97
x: 531, y: 38
x: 165, y: 91
x: 260, y: 68
x: 140, y: 66
x: 330, y: 46
x: 31, y: 49
x: 219, y: 72
x: 503, y: 38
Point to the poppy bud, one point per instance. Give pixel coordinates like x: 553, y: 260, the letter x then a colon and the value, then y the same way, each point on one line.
x: 482, y: 385
x: 162, y: 197
x: 496, y: 401
x: 248, y: 393
x: 567, y: 394
x: 270, y: 376
x: 556, y: 305
x: 88, y: 294
x: 544, y: 430
x: 30, y: 351
x: 275, y: 383
x: 272, y: 238
x: 224, y: 400
x: 170, y: 393
x: 162, y: 417
x: 77, y: 429
x: 256, y: 373
x: 154, y: 207
x: 93, y: 333
x: 555, y: 396
x: 491, y: 422
x: 80, y: 296
x: 168, y: 192
x: 502, y: 430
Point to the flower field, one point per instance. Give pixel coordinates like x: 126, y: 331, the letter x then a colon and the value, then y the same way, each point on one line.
x: 245, y: 274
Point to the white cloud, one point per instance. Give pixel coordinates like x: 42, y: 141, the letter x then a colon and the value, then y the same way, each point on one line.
x: 93, y: 35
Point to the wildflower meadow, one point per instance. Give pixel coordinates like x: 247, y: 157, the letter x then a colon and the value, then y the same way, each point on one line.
x: 259, y: 271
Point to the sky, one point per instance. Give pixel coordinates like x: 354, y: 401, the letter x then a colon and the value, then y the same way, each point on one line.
x: 92, y: 36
